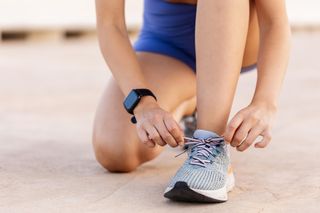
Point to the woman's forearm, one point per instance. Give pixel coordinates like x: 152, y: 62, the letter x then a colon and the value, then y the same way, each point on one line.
x: 121, y: 58
x: 272, y: 62
x: 256, y: 119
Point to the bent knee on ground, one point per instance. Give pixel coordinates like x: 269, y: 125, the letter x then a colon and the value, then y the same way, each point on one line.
x: 114, y: 156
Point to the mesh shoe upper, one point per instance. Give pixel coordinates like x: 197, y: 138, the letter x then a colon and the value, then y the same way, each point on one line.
x: 206, y: 165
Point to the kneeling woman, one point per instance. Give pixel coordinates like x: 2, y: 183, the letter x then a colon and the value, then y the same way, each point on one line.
x: 189, y: 55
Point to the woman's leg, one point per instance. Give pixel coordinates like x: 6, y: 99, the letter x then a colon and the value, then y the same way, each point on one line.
x: 250, y: 56
x: 220, y: 49
x: 115, y: 141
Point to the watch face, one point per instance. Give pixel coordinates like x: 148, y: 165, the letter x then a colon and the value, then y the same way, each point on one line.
x: 131, y: 101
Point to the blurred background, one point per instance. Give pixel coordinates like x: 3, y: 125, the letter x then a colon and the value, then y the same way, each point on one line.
x: 36, y: 16
x: 52, y: 75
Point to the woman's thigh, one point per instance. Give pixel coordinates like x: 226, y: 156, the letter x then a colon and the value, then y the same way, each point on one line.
x: 115, y: 141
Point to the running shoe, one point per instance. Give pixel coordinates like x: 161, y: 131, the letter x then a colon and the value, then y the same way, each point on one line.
x: 205, y: 176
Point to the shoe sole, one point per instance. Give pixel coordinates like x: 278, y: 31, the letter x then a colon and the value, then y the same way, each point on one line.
x: 182, y: 192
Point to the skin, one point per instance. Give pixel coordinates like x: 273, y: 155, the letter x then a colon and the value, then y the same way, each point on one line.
x: 121, y: 146
x: 257, y: 118
x: 116, y: 141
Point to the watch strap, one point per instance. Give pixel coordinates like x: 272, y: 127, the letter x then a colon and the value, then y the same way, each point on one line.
x: 145, y: 92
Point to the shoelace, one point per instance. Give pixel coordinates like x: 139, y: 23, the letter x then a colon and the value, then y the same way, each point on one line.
x: 203, y: 147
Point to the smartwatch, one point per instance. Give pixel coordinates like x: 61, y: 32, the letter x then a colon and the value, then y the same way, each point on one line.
x: 133, y: 99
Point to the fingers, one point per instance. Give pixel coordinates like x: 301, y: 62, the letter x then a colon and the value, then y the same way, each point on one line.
x: 174, y: 129
x: 252, y: 136
x: 247, y: 125
x: 265, y: 141
x: 159, y: 127
x: 153, y: 135
x: 165, y: 135
x: 232, y: 127
x: 241, y: 134
x: 142, y: 134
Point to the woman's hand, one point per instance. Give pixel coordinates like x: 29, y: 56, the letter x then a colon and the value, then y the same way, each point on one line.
x: 250, y: 122
x: 156, y: 126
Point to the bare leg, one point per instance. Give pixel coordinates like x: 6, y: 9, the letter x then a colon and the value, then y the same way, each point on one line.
x: 115, y: 140
x: 253, y: 38
x: 221, y: 33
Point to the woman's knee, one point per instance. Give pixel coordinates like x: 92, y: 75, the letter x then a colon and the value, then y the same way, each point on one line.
x: 113, y: 155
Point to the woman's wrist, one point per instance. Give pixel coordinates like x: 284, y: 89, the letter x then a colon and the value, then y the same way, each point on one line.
x: 145, y: 102
x: 270, y: 104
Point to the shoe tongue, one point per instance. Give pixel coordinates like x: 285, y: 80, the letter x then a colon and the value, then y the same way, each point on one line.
x: 203, y: 134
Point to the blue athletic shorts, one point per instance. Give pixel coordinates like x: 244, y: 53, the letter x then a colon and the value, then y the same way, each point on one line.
x: 169, y: 29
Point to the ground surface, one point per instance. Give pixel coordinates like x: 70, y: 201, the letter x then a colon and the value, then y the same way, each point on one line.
x: 48, y: 94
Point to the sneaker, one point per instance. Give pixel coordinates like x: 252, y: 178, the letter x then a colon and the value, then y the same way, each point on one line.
x: 205, y: 176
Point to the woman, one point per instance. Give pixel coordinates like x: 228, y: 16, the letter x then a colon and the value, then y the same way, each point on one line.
x: 189, y: 54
